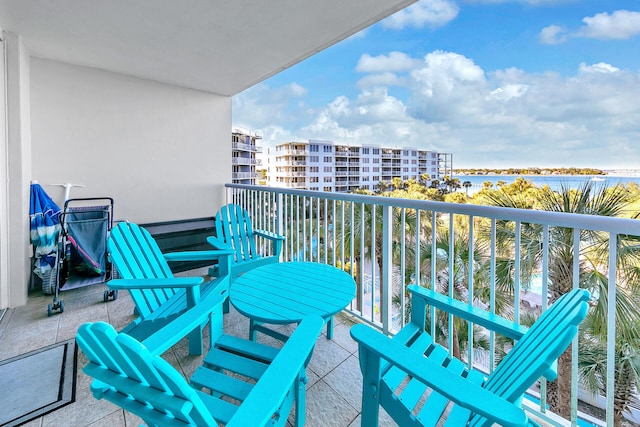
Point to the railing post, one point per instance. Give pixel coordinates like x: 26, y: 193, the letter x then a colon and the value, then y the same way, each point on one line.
x: 229, y: 195
x: 386, y: 273
x: 280, y: 218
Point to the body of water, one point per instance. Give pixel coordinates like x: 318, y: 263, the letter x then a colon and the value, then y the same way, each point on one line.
x: 555, y: 182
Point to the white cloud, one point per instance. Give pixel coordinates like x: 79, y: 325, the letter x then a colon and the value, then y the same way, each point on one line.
x: 262, y: 106
x: 553, y: 34
x: 600, y: 67
x: 395, y: 61
x: 432, y: 13
x: 621, y: 24
x: 383, y: 79
x: 500, y: 118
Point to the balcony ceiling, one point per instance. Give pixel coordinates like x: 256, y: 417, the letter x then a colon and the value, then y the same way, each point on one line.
x: 219, y: 46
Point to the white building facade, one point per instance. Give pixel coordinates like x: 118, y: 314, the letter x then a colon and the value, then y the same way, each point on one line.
x: 244, y: 146
x: 328, y: 166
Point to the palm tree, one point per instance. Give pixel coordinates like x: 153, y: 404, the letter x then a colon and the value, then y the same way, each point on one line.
x: 358, y: 233
x: 457, y: 253
x: 467, y: 185
x: 591, y: 200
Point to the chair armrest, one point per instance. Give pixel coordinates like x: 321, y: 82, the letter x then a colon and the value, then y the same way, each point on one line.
x: 169, y: 282
x: 197, y: 255
x: 491, y: 321
x: 268, y: 235
x: 445, y: 382
x: 178, y: 328
x: 268, y: 394
x: 219, y: 243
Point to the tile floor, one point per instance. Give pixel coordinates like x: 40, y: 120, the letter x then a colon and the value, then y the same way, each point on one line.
x: 333, y: 391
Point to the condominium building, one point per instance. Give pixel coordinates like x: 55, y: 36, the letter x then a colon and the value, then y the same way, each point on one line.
x: 328, y: 166
x: 244, y: 152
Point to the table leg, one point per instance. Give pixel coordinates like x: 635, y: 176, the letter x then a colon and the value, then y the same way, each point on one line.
x: 330, y: 328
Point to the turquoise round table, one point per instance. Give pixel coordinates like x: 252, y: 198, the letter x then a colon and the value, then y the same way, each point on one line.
x: 287, y: 292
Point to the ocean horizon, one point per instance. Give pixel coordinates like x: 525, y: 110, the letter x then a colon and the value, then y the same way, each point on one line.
x: 555, y: 182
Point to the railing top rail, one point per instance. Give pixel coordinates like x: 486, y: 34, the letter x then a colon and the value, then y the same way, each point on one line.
x: 569, y: 220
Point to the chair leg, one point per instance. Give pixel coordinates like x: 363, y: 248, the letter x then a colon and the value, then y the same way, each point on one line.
x: 370, y: 389
x: 195, y: 342
x: 252, y: 330
x: 301, y: 399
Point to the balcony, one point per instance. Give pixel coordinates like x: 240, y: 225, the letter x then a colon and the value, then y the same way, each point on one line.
x: 241, y: 146
x: 376, y: 238
x: 243, y: 161
x: 388, y: 244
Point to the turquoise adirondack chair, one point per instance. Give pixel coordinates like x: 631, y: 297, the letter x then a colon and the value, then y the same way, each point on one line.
x: 241, y: 383
x: 234, y: 230
x: 158, y: 295
x: 419, y: 384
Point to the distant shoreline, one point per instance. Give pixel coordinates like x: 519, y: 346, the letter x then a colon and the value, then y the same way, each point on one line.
x: 547, y: 172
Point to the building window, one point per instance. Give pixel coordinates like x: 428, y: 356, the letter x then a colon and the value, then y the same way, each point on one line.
x: 328, y: 179
x: 365, y: 151
x: 328, y: 149
x: 315, y: 169
x: 365, y: 160
x: 328, y: 169
x: 376, y: 169
x: 376, y: 160
x: 328, y: 159
x: 365, y: 169
x: 313, y: 148
x: 313, y: 179
x: 313, y: 159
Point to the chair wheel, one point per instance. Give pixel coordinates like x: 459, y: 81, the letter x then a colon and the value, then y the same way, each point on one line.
x: 110, y: 294
x: 49, y: 310
x: 61, y: 306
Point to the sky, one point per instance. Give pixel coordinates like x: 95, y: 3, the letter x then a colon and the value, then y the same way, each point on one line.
x: 498, y: 83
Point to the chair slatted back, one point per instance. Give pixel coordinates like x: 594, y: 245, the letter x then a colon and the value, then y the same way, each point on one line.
x: 539, y: 348
x: 127, y: 374
x: 234, y: 227
x: 136, y: 255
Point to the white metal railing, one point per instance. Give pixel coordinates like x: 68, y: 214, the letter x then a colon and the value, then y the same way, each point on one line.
x: 386, y: 244
x: 246, y: 147
x: 243, y: 161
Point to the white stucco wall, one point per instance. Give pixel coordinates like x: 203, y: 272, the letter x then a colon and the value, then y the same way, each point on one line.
x: 162, y: 152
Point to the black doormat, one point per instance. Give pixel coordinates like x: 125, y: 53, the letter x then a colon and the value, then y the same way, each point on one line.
x: 38, y: 382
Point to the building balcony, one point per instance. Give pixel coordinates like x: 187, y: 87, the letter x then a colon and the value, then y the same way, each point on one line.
x: 241, y: 146
x: 294, y: 152
x: 245, y: 175
x: 290, y: 162
x: 243, y: 161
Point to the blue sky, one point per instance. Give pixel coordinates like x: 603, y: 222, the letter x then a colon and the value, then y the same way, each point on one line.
x: 498, y: 83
